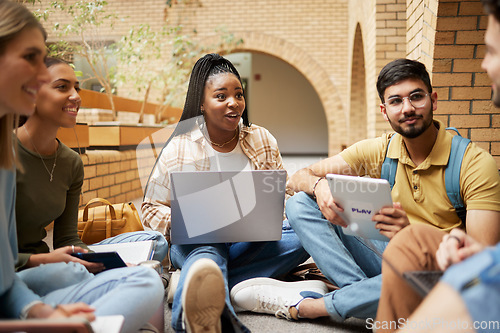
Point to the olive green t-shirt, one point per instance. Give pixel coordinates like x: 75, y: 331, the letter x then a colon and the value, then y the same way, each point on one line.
x: 39, y: 201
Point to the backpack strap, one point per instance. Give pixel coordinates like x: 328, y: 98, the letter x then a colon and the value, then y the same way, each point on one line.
x: 454, y: 129
x: 452, y: 173
x: 389, y: 166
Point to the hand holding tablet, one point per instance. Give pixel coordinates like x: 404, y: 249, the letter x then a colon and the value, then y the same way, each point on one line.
x: 361, y: 198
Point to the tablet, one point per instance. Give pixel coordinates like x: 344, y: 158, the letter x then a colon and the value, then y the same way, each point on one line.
x: 109, y: 259
x: 361, y: 198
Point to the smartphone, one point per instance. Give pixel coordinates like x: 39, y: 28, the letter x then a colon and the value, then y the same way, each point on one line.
x: 109, y: 259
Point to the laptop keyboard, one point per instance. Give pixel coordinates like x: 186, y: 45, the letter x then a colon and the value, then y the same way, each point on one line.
x: 423, y: 281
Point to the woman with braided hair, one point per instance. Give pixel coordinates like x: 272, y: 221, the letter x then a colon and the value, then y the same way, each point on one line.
x: 214, y: 134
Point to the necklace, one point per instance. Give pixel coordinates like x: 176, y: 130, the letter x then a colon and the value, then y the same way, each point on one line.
x: 220, y: 145
x: 51, y: 174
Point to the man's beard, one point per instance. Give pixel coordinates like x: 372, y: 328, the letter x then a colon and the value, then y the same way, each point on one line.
x: 412, y: 131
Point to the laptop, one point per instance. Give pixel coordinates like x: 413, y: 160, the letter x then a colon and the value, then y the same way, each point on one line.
x: 422, y: 281
x: 361, y: 198
x: 227, y: 206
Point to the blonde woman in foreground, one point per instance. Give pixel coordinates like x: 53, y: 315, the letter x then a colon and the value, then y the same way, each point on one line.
x: 138, y: 292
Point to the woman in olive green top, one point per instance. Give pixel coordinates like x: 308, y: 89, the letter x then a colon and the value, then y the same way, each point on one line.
x: 49, y: 187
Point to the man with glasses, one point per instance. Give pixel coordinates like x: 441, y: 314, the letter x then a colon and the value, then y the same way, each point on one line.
x: 422, y: 148
x: 466, y: 298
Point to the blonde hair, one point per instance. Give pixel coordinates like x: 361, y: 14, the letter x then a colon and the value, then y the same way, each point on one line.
x: 8, y: 150
x: 14, y: 18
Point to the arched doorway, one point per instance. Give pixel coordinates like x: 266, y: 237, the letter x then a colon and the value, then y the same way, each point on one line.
x: 282, y: 100
x: 358, y: 111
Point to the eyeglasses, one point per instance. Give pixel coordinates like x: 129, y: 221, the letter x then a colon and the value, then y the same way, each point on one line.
x: 417, y: 100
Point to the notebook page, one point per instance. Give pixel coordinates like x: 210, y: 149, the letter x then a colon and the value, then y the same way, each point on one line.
x: 107, y: 324
x: 132, y: 252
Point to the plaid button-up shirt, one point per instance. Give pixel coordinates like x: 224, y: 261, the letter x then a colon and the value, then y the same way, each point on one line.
x: 188, y: 152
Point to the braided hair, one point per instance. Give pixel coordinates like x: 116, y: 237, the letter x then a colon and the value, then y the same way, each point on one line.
x: 206, y: 67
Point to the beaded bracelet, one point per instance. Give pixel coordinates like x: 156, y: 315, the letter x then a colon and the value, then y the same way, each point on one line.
x: 316, y: 184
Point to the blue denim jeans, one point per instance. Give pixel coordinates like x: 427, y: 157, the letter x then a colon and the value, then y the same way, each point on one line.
x: 238, y: 262
x: 134, y: 292
x: 63, y: 274
x: 345, y: 260
x: 46, y: 278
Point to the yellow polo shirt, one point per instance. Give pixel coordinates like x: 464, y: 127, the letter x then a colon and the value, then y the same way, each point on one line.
x: 421, y: 190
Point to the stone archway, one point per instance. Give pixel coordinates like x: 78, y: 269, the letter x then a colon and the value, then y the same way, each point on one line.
x: 312, y: 71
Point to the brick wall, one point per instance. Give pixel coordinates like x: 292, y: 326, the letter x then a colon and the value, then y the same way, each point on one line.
x: 363, y: 42
x: 121, y: 176
x: 464, y: 89
x: 322, y: 41
x: 111, y: 175
x: 421, y: 30
x: 285, y: 29
x: 288, y: 30
x: 391, y: 44
x: 383, y: 38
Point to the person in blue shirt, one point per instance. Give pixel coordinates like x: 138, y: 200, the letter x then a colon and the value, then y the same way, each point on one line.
x: 134, y: 292
x: 466, y: 298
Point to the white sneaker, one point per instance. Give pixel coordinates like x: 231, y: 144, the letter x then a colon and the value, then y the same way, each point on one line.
x: 203, y: 297
x: 266, y: 295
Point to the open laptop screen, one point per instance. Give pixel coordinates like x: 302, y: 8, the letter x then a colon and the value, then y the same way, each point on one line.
x: 227, y: 206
